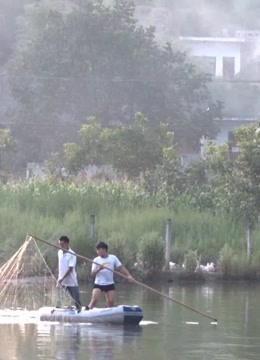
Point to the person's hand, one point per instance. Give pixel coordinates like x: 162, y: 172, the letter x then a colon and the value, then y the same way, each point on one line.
x: 103, y: 266
x: 100, y: 268
x: 130, y: 278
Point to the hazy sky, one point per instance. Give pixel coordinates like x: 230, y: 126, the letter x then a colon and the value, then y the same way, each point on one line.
x: 200, y: 17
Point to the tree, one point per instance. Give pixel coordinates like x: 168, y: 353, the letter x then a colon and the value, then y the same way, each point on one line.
x: 135, y: 148
x: 92, y: 148
x: 7, y: 145
x: 132, y: 150
x: 233, y: 186
x: 87, y: 59
x: 8, y: 16
x: 248, y: 164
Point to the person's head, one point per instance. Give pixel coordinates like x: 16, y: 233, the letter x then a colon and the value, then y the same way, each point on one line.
x: 64, y: 242
x: 102, y: 248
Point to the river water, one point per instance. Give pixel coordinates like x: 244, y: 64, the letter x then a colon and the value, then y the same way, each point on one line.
x: 169, y: 330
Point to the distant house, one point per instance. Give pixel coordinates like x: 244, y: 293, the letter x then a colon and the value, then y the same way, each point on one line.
x: 219, y: 56
x: 228, y: 58
x: 234, y: 63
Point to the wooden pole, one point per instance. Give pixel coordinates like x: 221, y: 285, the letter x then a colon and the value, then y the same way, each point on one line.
x: 249, y: 242
x: 168, y: 240
x: 134, y: 281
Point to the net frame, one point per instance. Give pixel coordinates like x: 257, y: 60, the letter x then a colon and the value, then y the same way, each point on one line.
x: 27, y: 282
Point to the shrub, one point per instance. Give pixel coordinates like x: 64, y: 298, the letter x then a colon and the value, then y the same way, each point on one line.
x: 232, y: 264
x: 191, y: 259
x: 226, y: 255
x: 150, y: 254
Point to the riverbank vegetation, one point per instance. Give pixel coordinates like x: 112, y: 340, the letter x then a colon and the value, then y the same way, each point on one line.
x: 213, y: 203
x: 130, y: 219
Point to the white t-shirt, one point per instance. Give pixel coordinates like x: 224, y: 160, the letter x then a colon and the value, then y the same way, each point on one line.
x: 106, y: 277
x: 67, y: 260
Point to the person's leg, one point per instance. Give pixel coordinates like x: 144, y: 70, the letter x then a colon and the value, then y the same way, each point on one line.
x: 94, y: 299
x: 76, y: 298
x: 59, y: 295
x: 110, y: 298
x: 74, y: 293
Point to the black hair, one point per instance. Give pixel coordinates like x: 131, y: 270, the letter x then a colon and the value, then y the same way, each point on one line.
x: 102, y: 245
x: 64, y: 238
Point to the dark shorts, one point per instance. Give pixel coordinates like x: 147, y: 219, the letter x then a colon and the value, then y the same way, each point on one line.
x: 105, y: 288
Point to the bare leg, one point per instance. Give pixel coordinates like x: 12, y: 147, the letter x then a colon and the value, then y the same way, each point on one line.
x: 94, y: 299
x: 110, y: 298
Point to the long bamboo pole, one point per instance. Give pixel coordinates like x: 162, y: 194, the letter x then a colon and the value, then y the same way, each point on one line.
x: 134, y: 281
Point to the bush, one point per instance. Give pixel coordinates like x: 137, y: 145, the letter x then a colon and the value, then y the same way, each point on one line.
x: 232, y: 264
x: 150, y: 256
x: 226, y: 255
x: 191, y: 259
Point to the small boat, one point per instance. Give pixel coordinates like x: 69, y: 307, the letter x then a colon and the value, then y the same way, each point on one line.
x: 121, y: 314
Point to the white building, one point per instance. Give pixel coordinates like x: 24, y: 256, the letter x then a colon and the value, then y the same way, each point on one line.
x: 227, y: 58
x: 234, y: 62
x: 227, y: 125
x: 220, y: 57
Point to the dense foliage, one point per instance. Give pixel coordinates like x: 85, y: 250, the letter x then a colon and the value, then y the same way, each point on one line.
x: 132, y: 150
x: 84, y: 59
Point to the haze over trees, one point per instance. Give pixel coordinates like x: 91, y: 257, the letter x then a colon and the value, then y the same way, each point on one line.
x: 69, y: 60
x: 74, y: 60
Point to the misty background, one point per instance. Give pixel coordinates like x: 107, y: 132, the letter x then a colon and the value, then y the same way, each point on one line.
x: 21, y: 25
x: 171, y: 17
x: 200, y: 17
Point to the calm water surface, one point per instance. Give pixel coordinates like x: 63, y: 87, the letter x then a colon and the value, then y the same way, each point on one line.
x: 163, y: 335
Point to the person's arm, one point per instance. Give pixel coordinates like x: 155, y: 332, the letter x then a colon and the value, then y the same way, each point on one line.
x: 125, y: 272
x: 72, y: 260
x: 96, y: 270
x: 66, y: 274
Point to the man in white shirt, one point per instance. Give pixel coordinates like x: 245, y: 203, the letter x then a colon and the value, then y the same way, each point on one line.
x: 67, y: 272
x: 104, y: 278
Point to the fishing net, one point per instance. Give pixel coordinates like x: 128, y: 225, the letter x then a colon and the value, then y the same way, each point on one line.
x: 26, y: 281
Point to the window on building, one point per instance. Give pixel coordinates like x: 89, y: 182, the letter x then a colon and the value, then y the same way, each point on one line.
x: 208, y: 63
x: 228, y: 68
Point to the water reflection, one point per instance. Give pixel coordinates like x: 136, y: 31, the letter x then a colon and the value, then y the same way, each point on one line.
x: 73, y: 341
x: 235, y: 337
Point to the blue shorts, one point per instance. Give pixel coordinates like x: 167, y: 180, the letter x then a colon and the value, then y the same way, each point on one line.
x: 105, y: 288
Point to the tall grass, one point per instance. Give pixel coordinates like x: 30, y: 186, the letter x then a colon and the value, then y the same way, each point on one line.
x: 49, y: 209
x: 205, y: 233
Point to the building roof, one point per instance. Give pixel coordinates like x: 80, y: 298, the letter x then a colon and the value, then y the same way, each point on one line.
x: 212, y: 39
x: 242, y: 119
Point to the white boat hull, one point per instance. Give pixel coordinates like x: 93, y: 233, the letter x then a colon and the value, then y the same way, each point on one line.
x: 122, y: 314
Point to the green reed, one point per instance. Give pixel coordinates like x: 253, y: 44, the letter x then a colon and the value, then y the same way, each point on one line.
x: 49, y: 209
